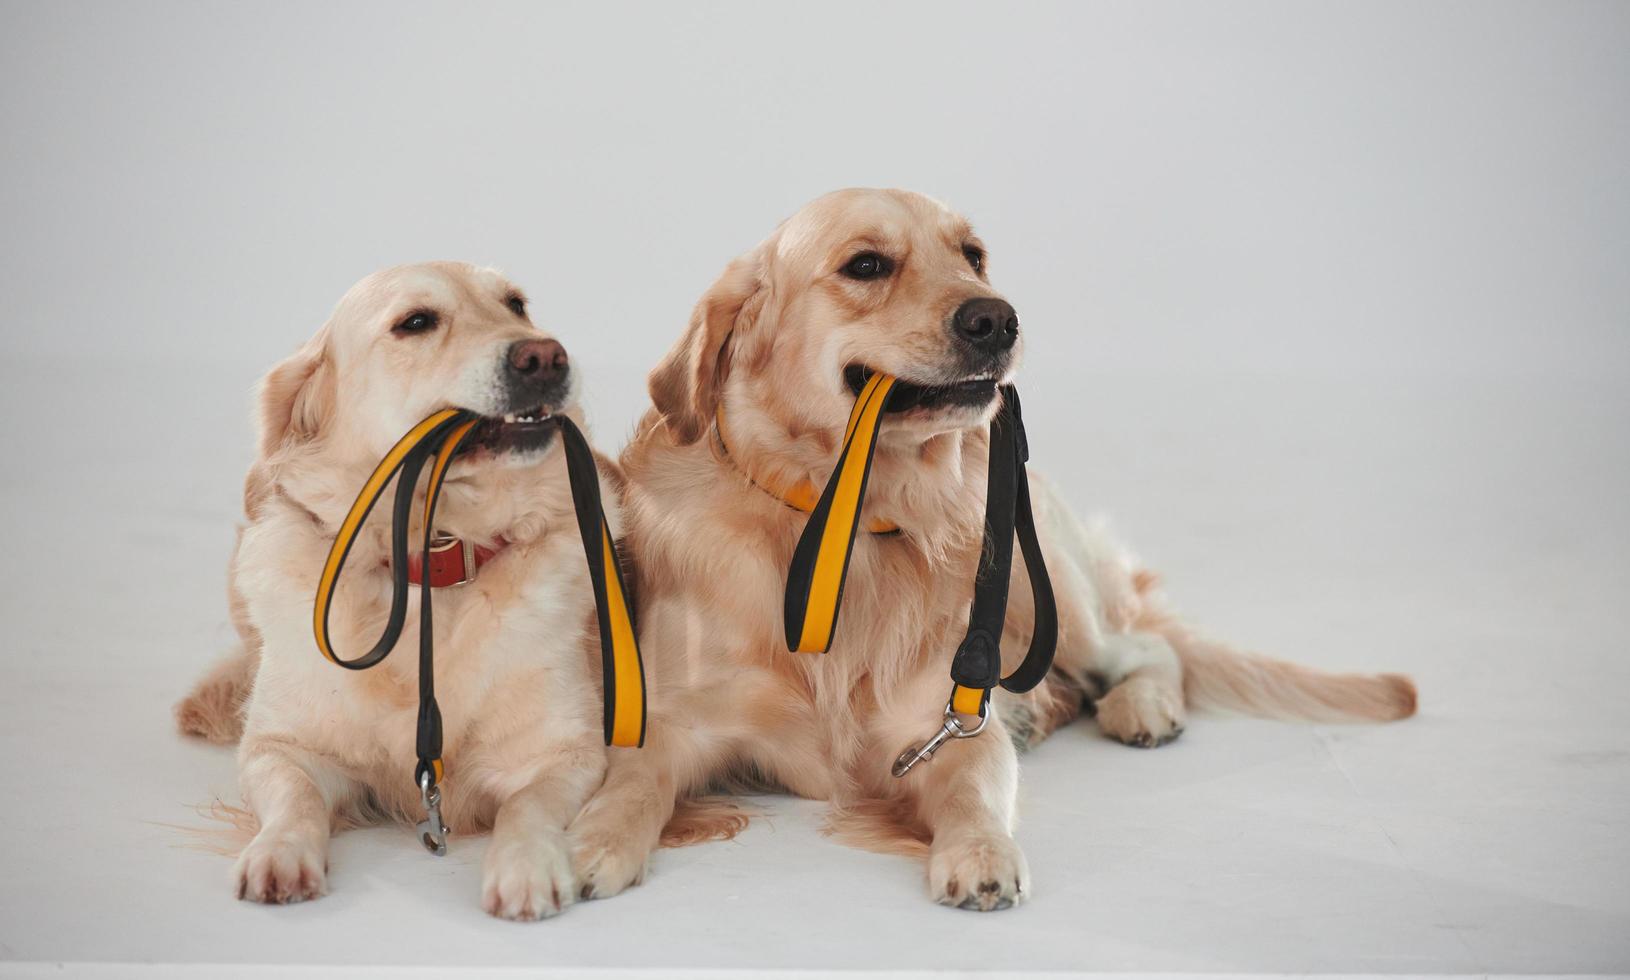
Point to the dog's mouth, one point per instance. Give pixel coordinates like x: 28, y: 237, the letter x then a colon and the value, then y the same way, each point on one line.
x: 909, y: 395
x: 516, y: 433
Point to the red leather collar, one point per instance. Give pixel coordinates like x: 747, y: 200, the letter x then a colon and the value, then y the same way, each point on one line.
x: 453, y: 561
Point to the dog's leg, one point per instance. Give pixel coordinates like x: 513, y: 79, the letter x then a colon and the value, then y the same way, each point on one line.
x: 1135, y: 676
x: 1075, y: 678
x: 294, y: 794
x: 696, y: 729
x: 622, y: 823
x: 965, y: 795
x: 1144, y: 707
x: 528, y: 868
x: 685, y: 747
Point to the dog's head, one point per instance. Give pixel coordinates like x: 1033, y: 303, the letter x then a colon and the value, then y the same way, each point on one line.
x: 859, y: 281
x: 409, y: 341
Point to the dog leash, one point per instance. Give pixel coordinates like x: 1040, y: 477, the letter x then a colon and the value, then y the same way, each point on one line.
x: 820, y: 563
x: 436, y: 440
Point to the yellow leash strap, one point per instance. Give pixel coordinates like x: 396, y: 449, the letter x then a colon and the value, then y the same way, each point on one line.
x: 409, y: 452
x: 436, y: 441
x: 621, y: 666
x: 821, y: 561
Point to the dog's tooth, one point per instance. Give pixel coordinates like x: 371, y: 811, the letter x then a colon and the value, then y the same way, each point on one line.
x: 510, y: 418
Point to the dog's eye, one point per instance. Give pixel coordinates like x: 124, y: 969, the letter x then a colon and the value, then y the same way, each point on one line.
x: 419, y: 321
x: 975, y: 257
x: 868, y: 265
x: 517, y: 305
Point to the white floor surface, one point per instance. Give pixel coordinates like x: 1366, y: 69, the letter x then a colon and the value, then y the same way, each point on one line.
x: 1474, y: 533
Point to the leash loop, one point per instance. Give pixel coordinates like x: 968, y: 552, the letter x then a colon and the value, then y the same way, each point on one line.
x: 820, y: 563
x: 436, y: 441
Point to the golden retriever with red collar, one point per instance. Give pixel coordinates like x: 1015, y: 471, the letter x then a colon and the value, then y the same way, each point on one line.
x: 517, y: 666
x: 756, y: 395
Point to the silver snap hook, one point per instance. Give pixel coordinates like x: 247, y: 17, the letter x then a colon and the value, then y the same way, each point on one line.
x: 432, y: 832
x: 949, y: 729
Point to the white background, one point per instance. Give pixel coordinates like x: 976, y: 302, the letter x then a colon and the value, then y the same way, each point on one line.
x: 1328, y: 303
x: 1417, y: 187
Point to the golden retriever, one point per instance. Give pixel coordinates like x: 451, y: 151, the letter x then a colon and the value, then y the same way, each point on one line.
x: 517, y: 669
x: 870, y: 280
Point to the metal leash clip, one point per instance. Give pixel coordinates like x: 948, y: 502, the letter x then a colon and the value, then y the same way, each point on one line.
x: 432, y: 832
x: 952, y: 728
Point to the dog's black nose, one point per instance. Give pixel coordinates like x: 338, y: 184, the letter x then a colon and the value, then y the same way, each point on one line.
x: 535, y: 363
x: 987, y: 323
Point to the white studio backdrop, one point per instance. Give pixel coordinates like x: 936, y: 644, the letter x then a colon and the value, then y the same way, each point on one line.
x: 1256, y: 187
x: 1328, y: 304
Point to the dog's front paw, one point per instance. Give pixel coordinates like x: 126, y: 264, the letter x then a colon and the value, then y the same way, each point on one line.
x: 1145, y: 715
x: 977, y: 871
x: 608, y: 863
x: 281, y: 868
x: 527, y: 877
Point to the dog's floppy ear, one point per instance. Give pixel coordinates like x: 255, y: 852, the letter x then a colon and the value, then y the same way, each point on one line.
x: 685, y: 386
x: 297, y: 397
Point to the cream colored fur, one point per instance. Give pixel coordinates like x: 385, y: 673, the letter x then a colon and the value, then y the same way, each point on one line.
x: 767, y: 345
x: 517, y: 672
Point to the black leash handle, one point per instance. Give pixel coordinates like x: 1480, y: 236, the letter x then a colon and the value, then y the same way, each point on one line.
x: 820, y: 564
x: 1008, y: 515
x: 405, y: 461
x: 438, y: 437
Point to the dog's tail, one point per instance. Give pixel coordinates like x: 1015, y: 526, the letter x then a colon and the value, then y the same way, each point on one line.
x: 1216, y: 675
x: 881, y: 826
x: 213, y: 710
x: 699, y: 819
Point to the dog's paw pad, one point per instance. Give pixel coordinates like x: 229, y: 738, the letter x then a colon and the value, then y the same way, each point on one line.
x: 1140, y: 715
x: 607, y: 865
x: 994, y: 864
x: 280, y: 870
x: 527, y: 879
